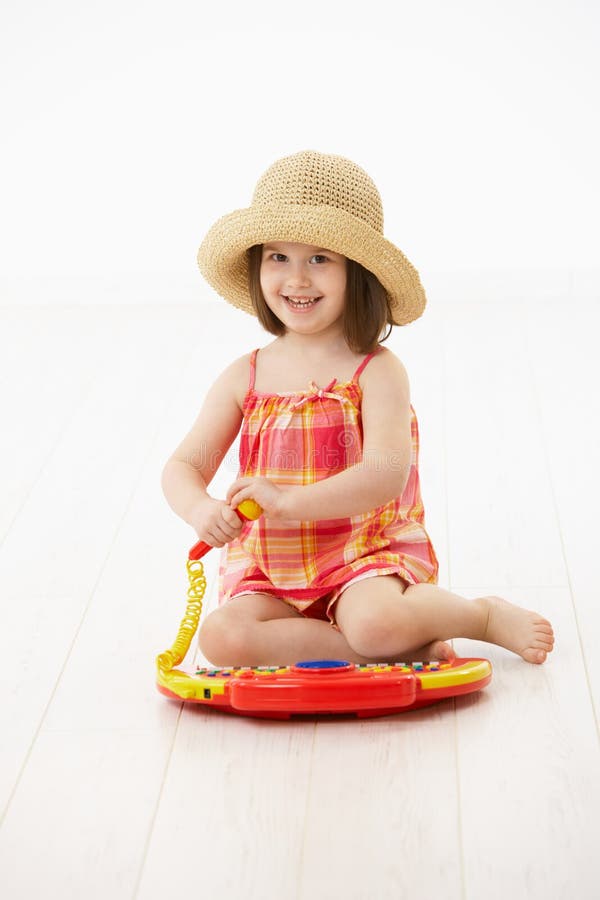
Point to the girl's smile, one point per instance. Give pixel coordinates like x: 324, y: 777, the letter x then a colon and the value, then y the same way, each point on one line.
x: 302, y: 305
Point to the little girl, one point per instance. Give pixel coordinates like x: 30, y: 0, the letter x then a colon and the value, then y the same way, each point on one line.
x: 339, y: 565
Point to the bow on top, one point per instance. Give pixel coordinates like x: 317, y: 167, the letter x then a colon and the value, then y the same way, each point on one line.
x: 318, y: 393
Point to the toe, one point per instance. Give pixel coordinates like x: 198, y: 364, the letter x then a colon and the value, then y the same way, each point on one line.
x: 441, y: 650
x: 534, y: 656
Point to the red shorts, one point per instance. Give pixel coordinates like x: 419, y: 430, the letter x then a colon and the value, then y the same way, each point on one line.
x: 324, y: 607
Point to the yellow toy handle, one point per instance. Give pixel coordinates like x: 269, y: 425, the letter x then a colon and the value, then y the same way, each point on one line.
x: 165, y: 662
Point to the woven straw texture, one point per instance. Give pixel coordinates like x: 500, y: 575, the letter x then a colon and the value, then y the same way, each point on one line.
x: 311, y: 198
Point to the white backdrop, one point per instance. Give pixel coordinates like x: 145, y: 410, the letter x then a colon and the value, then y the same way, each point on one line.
x: 129, y: 126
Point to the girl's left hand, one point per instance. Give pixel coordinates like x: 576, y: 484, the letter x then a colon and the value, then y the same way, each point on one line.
x: 268, y: 495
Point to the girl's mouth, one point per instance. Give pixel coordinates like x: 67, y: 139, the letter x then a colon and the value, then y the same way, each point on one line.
x: 302, y: 305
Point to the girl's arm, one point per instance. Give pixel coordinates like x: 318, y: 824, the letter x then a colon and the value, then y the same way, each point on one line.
x: 379, y: 477
x: 191, y: 467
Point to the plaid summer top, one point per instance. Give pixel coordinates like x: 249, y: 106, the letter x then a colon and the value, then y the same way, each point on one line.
x: 299, y: 438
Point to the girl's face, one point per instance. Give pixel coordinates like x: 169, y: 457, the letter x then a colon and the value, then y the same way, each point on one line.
x: 303, y: 272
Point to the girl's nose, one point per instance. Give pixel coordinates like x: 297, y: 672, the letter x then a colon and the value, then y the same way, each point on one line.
x: 298, y: 277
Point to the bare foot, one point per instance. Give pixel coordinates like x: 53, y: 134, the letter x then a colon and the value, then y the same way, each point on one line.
x: 520, y: 630
x: 434, y: 650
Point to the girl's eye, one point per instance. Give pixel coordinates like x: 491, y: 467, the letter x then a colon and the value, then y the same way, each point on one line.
x: 316, y: 256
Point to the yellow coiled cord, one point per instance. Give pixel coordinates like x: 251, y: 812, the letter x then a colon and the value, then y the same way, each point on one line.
x: 165, y: 661
x: 197, y: 587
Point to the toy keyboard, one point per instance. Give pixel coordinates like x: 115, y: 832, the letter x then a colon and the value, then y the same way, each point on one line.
x: 326, y: 686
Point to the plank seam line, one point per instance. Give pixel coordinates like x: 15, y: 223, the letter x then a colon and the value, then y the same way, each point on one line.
x: 153, y: 818
x: 538, y: 412
x: 306, y: 807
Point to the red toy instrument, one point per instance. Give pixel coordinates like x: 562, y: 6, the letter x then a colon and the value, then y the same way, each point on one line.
x: 310, y: 687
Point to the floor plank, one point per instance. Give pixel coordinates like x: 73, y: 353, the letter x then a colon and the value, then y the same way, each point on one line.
x: 565, y: 367
x: 79, y: 825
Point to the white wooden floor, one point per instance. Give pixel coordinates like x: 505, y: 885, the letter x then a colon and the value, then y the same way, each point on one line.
x: 109, y: 790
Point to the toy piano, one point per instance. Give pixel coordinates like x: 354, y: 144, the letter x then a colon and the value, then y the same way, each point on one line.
x: 326, y: 686
x: 309, y: 687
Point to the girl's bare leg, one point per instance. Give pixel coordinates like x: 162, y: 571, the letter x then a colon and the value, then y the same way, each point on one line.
x: 490, y: 619
x: 378, y: 613
x: 285, y: 641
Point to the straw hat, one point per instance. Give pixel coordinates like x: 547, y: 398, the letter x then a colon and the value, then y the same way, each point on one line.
x: 311, y: 198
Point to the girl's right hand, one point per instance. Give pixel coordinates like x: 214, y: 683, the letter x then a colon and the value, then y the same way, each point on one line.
x: 215, y: 522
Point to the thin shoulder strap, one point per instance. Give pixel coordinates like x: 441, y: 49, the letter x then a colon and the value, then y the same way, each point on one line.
x: 365, y: 361
x: 252, y: 369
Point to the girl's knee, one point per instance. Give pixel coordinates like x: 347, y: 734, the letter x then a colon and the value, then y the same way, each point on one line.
x: 223, y: 639
x: 372, y: 631
x: 373, y: 614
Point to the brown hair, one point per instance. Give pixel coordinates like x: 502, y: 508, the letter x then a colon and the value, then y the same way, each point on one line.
x: 366, y: 314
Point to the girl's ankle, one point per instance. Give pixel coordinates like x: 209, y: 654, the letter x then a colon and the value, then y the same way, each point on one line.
x: 483, y: 606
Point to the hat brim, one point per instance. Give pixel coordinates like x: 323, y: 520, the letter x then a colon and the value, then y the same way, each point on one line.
x: 224, y: 264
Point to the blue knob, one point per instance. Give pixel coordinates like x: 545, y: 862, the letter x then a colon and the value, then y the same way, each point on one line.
x: 322, y: 664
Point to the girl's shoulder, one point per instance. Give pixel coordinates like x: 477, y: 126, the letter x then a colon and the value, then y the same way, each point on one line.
x: 384, y: 371
x: 384, y: 360
x: 236, y: 377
